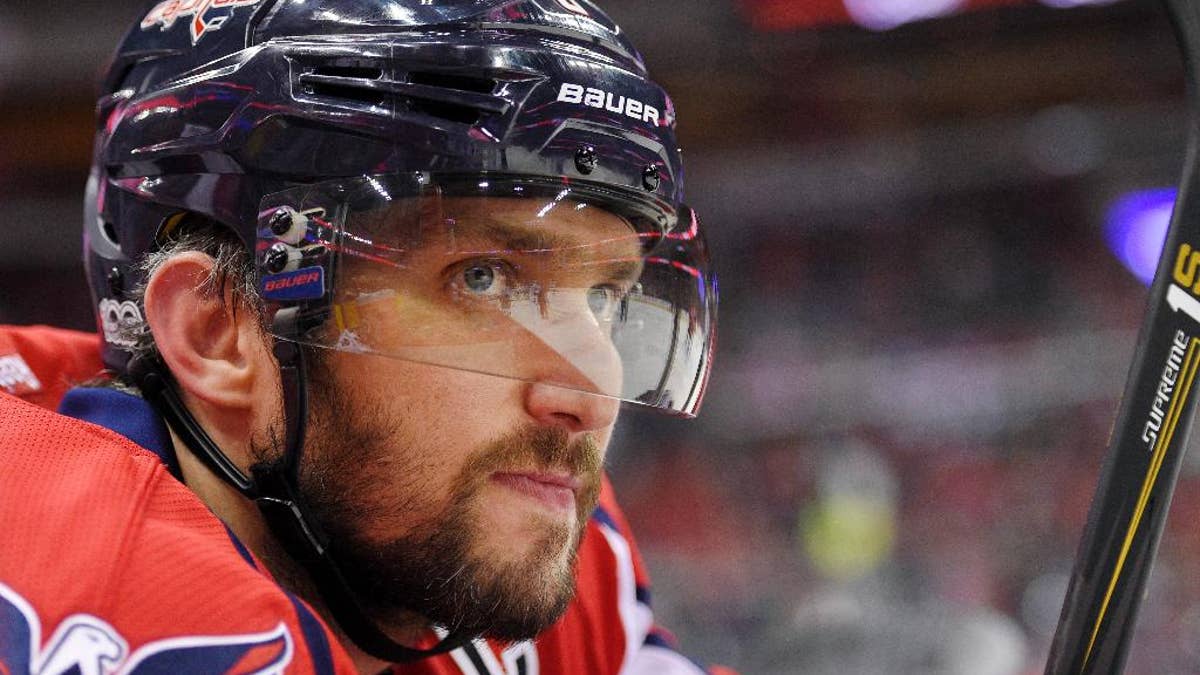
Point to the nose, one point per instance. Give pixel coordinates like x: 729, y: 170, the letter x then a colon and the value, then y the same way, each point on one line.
x: 574, y: 368
x: 575, y: 411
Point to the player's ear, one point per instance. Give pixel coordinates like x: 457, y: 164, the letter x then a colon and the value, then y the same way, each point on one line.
x: 214, y: 348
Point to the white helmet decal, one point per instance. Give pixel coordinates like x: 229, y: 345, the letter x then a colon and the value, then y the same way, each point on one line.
x: 120, y: 321
x: 165, y: 13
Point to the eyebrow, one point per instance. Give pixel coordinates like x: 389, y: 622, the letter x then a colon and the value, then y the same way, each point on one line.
x: 620, y: 269
x: 524, y: 240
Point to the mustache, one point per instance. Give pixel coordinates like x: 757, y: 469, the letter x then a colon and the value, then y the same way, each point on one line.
x: 542, y: 448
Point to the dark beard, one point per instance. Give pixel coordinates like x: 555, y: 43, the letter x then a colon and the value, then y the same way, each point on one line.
x: 439, y: 570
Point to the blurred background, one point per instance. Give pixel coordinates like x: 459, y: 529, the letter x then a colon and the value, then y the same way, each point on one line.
x: 933, y: 220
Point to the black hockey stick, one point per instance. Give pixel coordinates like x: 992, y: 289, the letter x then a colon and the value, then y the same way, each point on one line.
x: 1129, y: 508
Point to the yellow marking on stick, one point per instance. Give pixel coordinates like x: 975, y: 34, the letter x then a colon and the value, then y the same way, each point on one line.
x: 1174, y: 411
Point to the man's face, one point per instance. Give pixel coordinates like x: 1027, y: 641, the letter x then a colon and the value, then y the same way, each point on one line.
x: 456, y: 481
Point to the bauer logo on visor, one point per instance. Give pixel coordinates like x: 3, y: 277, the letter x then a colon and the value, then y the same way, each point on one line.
x: 204, y: 15
x: 303, y: 284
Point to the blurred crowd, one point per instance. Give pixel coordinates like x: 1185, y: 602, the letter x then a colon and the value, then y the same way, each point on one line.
x: 934, y: 532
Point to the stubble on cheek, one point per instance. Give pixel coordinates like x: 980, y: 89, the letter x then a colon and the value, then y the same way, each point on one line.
x: 373, y: 485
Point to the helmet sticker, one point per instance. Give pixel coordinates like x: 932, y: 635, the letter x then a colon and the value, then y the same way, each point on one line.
x: 165, y: 13
x: 120, y: 321
x: 574, y: 6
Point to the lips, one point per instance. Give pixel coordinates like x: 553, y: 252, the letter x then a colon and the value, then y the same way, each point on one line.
x: 556, y: 491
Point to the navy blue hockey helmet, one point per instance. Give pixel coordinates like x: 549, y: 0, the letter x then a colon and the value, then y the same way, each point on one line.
x: 341, y: 138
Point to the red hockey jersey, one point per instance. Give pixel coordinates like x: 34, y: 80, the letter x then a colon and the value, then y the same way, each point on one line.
x: 110, y: 565
x: 607, y: 629
x: 40, y: 363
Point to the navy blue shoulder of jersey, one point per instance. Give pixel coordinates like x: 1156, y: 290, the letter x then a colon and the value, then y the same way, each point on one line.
x: 135, y: 419
x: 126, y: 414
x: 314, y: 632
x: 603, y: 517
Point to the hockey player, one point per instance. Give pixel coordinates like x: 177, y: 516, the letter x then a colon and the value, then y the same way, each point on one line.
x: 385, y: 269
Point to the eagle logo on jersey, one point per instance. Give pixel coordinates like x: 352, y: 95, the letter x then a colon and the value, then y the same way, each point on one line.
x: 202, y: 21
x: 16, y: 377
x: 86, y: 645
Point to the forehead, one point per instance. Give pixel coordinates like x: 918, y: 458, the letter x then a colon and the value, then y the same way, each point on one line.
x: 434, y: 229
x: 530, y: 223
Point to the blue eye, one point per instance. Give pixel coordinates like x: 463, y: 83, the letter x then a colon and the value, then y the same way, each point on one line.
x: 604, y: 301
x: 484, y: 278
x: 479, y: 278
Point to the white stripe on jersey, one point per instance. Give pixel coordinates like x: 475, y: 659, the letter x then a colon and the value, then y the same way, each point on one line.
x: 481, y: 648
x: 636, y: 617
x: 464, y: 662
x: 515, y: 652
x: 491, y: 666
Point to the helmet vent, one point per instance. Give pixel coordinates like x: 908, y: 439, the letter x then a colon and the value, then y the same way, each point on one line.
x: 448, y: 104
x: 447, y: 111
x: 355, y: 72
x: 455, y: 97
x: 349, y: 83
x: 110, y: 233
x: 478, y: 85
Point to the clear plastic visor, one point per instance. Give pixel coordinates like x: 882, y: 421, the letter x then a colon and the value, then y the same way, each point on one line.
x: 571, y: 286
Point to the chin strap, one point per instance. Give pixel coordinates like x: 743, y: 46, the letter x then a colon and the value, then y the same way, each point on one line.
x: 275, y: 491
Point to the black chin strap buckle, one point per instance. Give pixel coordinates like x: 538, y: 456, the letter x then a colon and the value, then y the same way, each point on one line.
x: 292, y: 374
